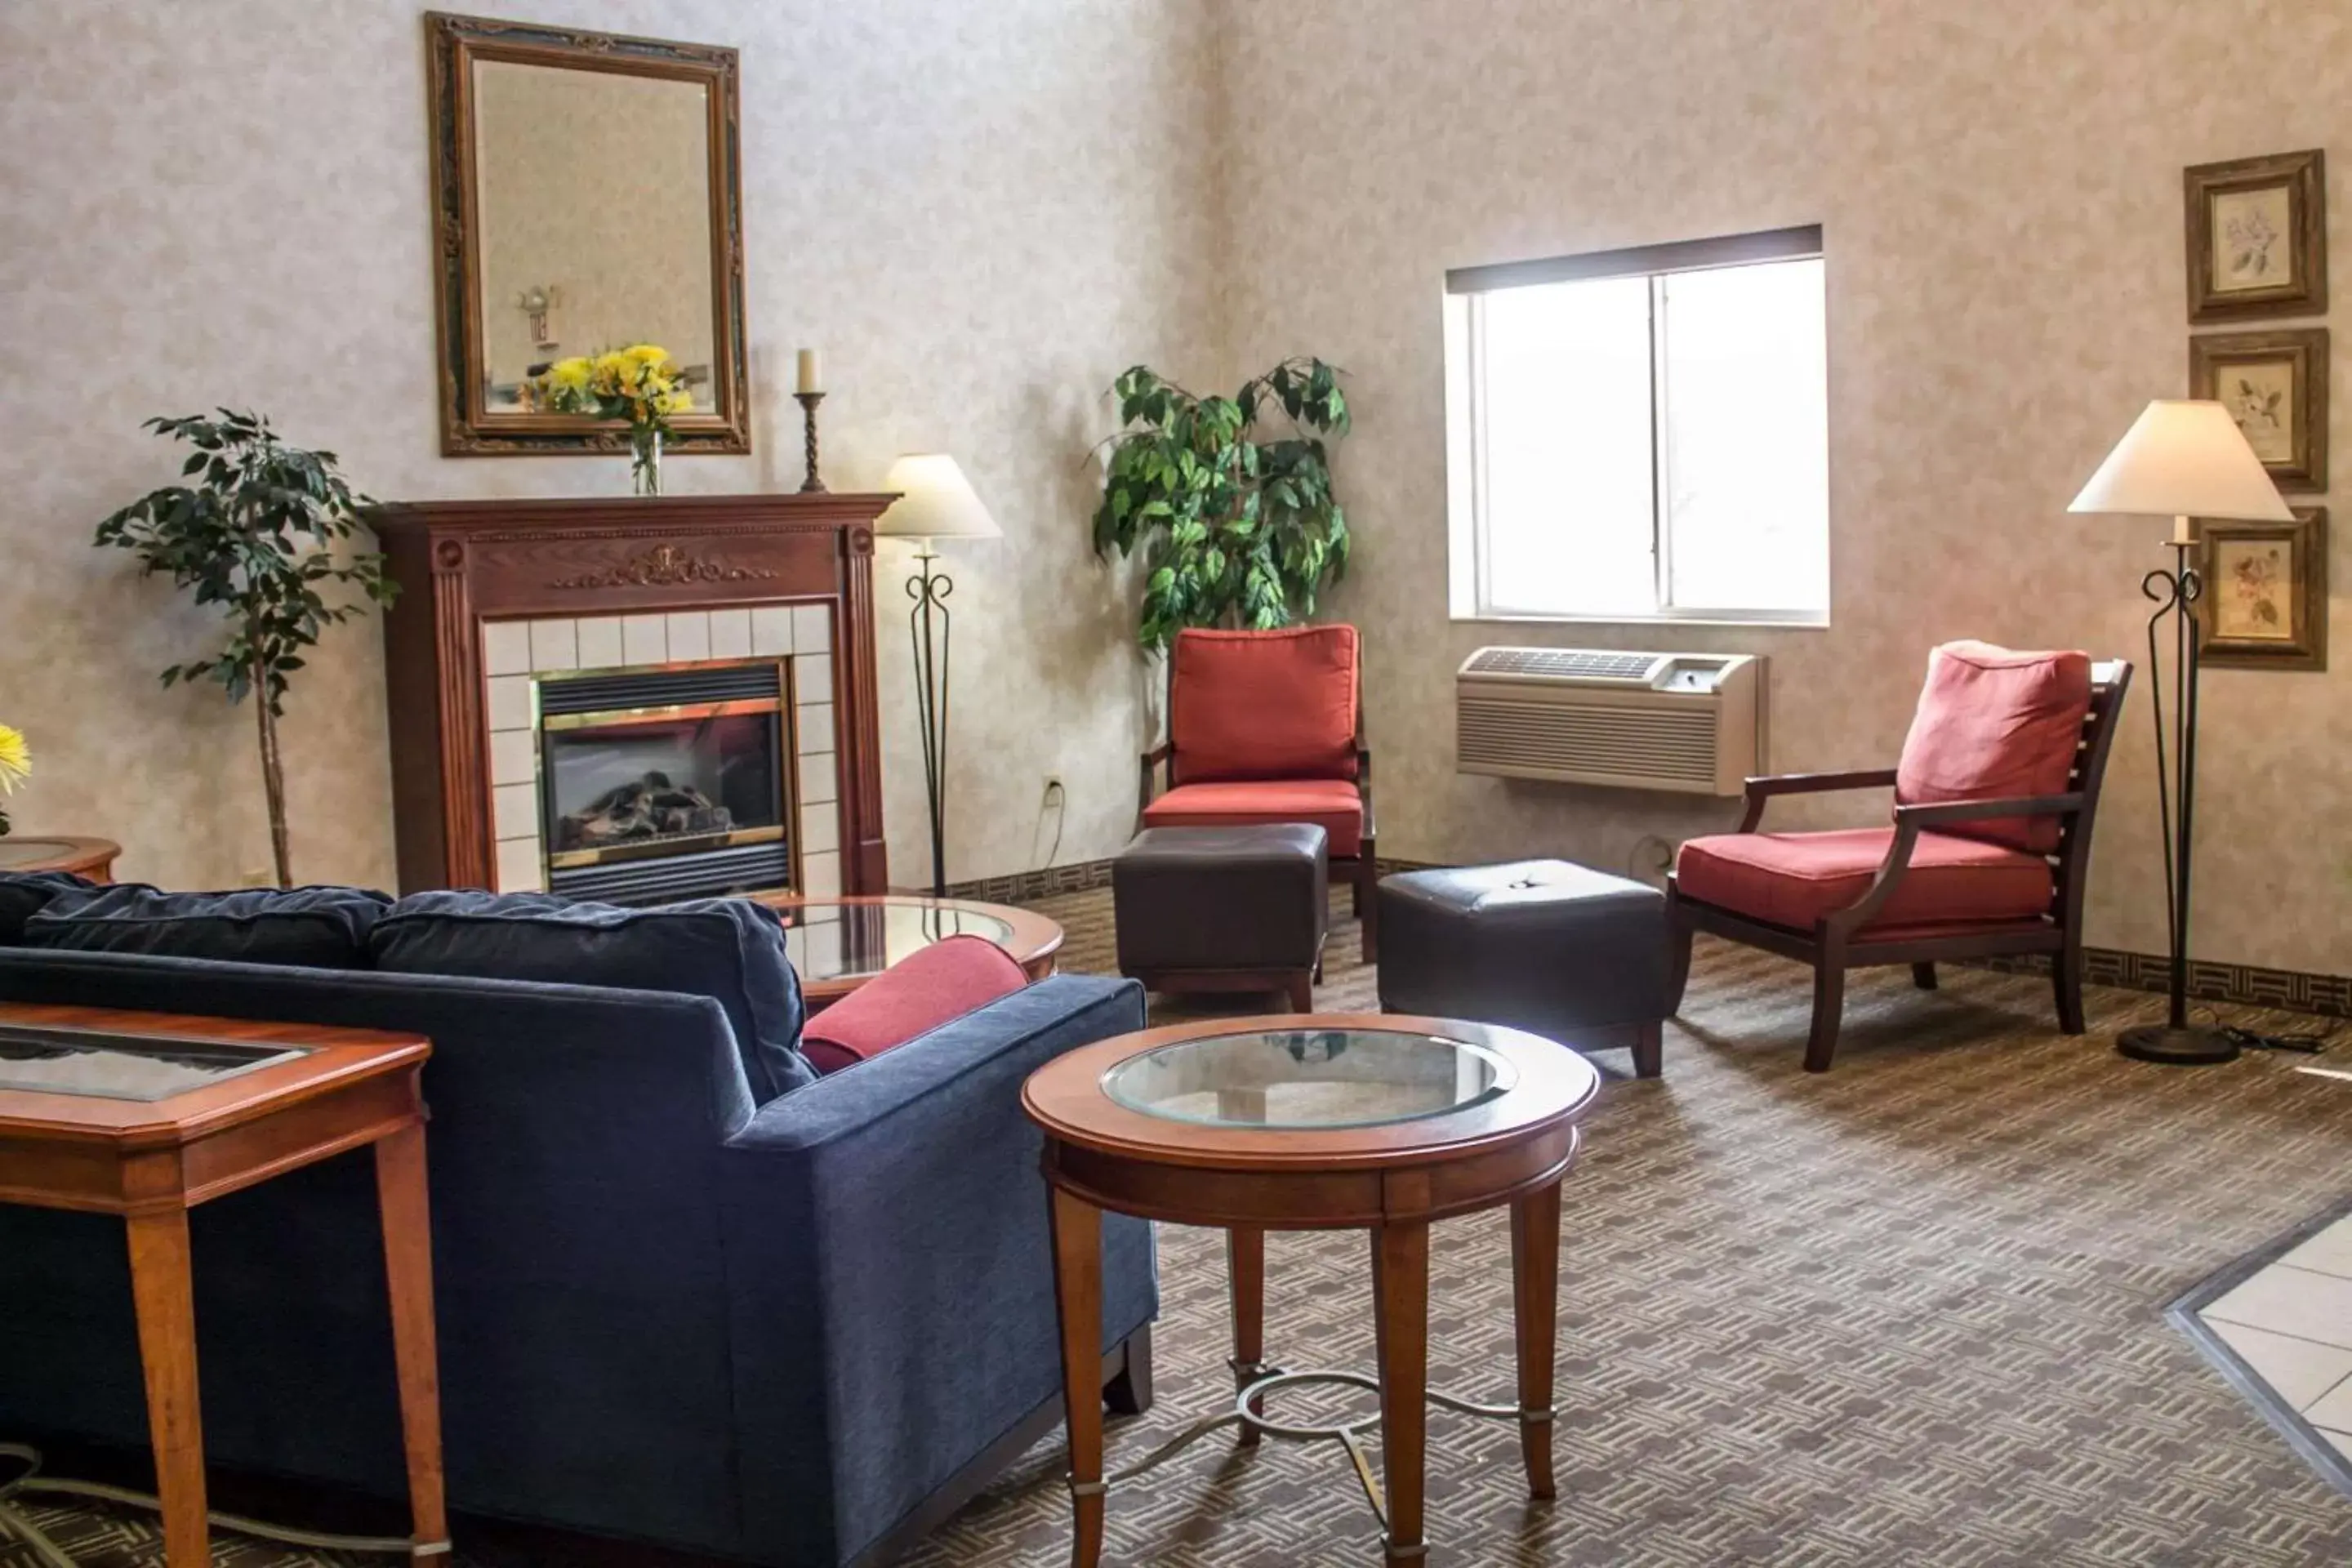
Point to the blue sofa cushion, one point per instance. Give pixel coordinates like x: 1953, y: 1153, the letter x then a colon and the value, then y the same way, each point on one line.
x: 730, y: 949
x: 24, y: 894
x: 318, y: 928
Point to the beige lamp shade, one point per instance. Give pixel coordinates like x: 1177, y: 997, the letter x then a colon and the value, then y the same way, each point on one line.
x: 935, y: 502
x: 2181, y: 459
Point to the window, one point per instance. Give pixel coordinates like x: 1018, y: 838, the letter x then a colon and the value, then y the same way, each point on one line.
x: 1642, y: 435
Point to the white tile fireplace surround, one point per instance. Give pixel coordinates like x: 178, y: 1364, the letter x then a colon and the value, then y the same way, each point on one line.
x: 515, y: 653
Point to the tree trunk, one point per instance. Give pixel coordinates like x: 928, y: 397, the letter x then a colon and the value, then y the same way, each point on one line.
x: 273, y: 774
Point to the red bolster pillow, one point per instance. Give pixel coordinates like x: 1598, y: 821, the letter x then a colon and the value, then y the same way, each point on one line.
x: 944, y: 981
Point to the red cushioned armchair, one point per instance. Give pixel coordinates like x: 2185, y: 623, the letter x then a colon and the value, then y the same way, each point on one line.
x: 1268, y: 727
x: 1986, y: 856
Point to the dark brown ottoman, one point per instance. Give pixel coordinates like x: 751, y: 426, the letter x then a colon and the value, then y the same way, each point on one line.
x: 1223, y: 909
x: 1573, y: 955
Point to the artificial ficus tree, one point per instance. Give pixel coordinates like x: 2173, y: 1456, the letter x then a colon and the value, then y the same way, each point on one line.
x: 262, y: 533
x: 1235, y: 530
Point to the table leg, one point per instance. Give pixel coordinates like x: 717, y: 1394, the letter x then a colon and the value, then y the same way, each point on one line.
x: 1245, y: 1262
x: 408, y: 1271
x: 160, y: 1288
x: 1535, y: 1310
x: 1401, y: 1318
x: 1077, y: 1293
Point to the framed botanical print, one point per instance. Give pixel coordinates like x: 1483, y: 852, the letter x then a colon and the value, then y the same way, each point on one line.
x: 2276, y: 386
x: 2264, y: 605
x: 2257, y: 237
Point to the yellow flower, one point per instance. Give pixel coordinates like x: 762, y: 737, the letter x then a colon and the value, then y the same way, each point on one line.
x: 16, y: 758
x: 677, y: 401
x: 569, y: 374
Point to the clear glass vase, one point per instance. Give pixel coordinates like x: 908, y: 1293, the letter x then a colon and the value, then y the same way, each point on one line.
x: 644, y: 460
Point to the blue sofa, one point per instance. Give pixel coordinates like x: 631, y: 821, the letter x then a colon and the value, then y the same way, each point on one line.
x: 791, y: 1333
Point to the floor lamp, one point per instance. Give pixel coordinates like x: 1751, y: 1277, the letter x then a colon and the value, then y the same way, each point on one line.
x: 935, y: 502
x: 2180, y: 460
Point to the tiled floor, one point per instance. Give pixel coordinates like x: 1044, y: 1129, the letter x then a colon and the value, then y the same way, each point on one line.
x: 2290, y: 1322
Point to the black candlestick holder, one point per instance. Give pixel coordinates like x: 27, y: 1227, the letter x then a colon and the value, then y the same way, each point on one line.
x: 808, y: 402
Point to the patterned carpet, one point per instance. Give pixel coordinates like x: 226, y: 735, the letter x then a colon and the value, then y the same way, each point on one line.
x: 1908, y: 1314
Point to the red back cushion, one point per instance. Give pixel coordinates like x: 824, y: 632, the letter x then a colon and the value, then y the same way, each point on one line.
x: 1263, y: 705
x: 1992, y: 725
x: 944, y: 981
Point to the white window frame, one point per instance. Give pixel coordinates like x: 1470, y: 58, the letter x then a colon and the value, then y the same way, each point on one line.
x: 1468, y: 586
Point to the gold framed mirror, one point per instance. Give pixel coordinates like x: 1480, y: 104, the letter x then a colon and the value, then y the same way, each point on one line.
x: 583, y: 185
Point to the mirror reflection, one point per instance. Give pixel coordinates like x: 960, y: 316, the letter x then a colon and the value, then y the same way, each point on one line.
x: 595, y: 220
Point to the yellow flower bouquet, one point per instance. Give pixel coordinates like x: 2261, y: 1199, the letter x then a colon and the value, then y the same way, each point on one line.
x: 640, y: 384
x: 15, y: 767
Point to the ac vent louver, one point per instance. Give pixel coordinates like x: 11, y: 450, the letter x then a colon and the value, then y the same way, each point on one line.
x: 1689, y: 723
x: 1566, y: 663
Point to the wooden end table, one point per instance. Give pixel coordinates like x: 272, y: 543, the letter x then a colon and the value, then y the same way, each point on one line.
x: 837, y: 944
x: 1373, y: 1121
x: 91, y: 857
x: 146, y: 1115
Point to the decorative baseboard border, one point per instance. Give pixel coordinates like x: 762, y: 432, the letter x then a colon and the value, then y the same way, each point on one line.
x: 2243, y: 984
x: 2239, y: 984
x: 1021, y: 887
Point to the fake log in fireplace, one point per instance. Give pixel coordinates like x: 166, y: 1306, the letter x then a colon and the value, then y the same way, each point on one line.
x: 668, y: 784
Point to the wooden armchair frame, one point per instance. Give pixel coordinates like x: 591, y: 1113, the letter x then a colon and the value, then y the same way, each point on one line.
x: 1362, y: 867
x: 1839, y: 941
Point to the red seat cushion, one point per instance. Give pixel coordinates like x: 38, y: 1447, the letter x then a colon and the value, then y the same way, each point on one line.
x: 1994, y: 725
x: 1795, y: 879
x: 1331, y: 805
x: 943, y: 981
x: 1263, y: 705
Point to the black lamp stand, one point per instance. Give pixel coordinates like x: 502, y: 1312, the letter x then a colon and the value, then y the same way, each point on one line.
x: 928, y: 624
x: 2176, y: 1041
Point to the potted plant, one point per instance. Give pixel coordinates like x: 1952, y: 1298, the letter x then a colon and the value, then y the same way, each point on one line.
x: 263, y: 534
x: 1237, y: 529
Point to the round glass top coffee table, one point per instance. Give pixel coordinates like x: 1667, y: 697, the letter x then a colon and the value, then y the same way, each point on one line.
x: 1374, y: 1122
x: 837, y: 944
x: 91, y: 857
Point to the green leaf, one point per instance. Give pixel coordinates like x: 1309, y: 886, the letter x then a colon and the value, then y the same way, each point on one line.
x: 254, y: 538
x: 1237, y: 531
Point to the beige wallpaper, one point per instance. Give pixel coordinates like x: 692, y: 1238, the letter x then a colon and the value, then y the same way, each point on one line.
x: 2000, y: 183
x: 982, y: 214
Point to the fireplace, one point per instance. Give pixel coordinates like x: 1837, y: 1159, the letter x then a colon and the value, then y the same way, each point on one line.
x: 668, y: 782
x: 520, y: 612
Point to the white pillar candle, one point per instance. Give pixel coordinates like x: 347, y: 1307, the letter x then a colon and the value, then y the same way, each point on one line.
x: 809, y: 381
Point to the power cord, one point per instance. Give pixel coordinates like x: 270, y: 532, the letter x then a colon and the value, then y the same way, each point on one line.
x: 1650, y: 858
x: 32, y: 1482
x: 2255, y: 1040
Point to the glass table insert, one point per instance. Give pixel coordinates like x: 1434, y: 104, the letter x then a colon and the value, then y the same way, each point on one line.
x: 62, y: 1059
x: 21, y: 853
x: 1307, y: 1078
x: 857, y: 940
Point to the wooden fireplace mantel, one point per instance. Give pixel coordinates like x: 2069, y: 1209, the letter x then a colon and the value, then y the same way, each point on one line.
x: 460, y: 563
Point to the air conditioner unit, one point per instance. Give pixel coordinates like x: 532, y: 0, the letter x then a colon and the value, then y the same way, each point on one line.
x: 1690, y: 722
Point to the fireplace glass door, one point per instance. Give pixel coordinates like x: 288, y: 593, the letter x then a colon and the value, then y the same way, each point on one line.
x: 645, y: 796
